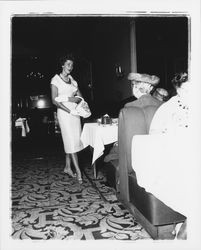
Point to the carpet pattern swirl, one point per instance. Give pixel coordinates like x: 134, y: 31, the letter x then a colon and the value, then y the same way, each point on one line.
x: 48, y: 204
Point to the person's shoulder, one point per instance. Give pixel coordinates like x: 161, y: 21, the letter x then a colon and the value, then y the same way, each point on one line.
x: 54, y: 79
x: 153, y: 100
x: 167, y: 106
x: 171, y: 101
x: 131, y: 104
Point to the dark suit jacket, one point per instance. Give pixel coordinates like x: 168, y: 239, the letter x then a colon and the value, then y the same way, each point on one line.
x: 135, y: 122
x: 145, y: 100
x: 134, y: 119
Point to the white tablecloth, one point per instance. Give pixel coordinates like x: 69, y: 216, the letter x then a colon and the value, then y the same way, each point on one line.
x: 97, y: 136
x: 163, y: 167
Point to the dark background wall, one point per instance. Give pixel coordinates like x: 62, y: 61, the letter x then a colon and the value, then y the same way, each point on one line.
x: 112, y: 47
x: 162, y: 46
x: 98, y: 43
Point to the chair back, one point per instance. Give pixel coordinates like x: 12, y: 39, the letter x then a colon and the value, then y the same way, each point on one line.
x: 132, y: 121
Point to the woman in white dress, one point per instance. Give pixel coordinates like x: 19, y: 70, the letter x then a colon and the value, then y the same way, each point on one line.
x: 173, y: 115
x: 63, y: 84
x: 172, y: 118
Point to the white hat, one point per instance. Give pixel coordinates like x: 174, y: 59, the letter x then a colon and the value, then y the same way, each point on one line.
x: 151, y: 79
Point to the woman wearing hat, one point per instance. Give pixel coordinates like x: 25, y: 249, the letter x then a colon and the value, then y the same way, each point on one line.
x: 142, y: 85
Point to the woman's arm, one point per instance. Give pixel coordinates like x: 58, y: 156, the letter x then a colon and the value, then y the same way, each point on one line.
x: 78, y: 93
x: 75, y: 98
x: 54, y: 94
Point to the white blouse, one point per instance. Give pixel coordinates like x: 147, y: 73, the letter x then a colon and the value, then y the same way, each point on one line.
x: 171, y: 117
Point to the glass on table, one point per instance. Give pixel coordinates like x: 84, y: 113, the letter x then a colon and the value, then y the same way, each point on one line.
x: 114, y: 121
x: 98, y: 121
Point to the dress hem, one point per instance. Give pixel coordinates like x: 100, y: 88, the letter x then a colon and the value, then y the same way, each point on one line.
x: 75, y: 151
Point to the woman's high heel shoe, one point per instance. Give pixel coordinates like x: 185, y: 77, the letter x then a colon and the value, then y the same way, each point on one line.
x: 69, y: 172
x: 79, y: 178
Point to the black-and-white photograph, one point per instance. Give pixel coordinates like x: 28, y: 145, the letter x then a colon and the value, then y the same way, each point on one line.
x: 99, y: 122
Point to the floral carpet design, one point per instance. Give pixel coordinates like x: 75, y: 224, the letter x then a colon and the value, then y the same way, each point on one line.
x: 48, y: 204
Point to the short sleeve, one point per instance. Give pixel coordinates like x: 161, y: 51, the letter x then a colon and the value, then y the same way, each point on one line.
x: 54, y: 81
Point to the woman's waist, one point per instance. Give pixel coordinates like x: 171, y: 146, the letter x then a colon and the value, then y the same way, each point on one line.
x: 69, y: 105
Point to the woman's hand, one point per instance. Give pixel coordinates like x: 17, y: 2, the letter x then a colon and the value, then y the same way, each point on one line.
x: 74, y: 99
x: 74, y: 112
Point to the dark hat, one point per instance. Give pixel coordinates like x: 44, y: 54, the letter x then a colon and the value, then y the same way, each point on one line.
x: 151, y: 79
x: 162, y: 92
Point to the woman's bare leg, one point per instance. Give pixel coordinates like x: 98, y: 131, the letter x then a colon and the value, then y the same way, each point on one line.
x: 67, y: 168
x: 75, y: 162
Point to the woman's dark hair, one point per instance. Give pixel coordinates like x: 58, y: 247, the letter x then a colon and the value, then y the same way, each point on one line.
x: 179, y: 78
x: 63, y: 59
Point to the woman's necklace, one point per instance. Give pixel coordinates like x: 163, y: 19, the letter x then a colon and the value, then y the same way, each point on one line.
x: 65, y: 79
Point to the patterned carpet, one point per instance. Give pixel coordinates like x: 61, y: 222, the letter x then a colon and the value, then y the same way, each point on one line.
x: 47, y: 204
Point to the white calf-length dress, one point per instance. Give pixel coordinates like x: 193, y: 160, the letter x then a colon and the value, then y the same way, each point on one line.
x: 70, y: 125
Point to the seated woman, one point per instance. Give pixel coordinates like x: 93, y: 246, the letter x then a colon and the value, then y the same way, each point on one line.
x: 142, y: 85
x: 172, y: 116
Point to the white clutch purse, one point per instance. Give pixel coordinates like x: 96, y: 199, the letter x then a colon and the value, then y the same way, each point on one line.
x: 83, y: 108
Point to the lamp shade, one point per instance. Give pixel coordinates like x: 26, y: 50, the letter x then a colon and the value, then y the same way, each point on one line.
x: 40, y: 102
